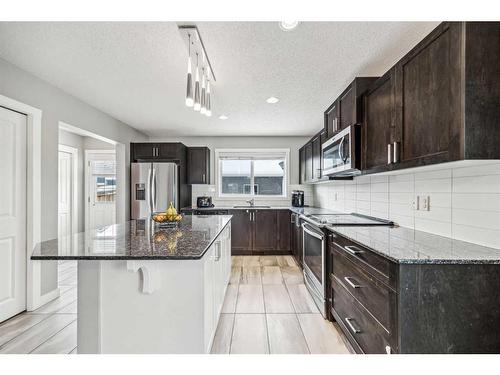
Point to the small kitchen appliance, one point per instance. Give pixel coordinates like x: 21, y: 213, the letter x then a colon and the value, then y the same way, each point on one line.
x: 204, y: 202
x: 297, y: 198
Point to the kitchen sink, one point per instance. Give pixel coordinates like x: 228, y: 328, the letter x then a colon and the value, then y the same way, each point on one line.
x: 248, y: 206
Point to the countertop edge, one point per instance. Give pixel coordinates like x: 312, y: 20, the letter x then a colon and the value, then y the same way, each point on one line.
x: 128, y: 257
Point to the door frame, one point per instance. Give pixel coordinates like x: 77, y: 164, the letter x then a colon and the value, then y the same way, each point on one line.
x: 74, y: 188
x: 34, y: 296
x: 88, y: 153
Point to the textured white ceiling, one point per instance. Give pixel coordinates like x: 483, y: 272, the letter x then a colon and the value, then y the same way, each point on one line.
x: 136, y: 71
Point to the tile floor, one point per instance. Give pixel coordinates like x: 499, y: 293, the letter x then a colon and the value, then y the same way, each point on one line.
x: 267, y: 310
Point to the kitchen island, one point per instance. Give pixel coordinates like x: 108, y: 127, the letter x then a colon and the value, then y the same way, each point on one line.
x: 145, y: 289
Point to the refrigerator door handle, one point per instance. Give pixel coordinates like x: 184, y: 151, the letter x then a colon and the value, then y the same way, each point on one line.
x: 154, y: 190
x: 150, y: 182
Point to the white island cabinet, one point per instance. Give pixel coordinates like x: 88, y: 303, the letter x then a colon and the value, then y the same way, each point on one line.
x: 166, y: 300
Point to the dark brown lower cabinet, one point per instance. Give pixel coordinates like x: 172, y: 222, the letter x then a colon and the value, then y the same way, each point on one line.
x: 241, y: 232
x: 265, y: 231
x: 388, y: 307
x: 260, y: 232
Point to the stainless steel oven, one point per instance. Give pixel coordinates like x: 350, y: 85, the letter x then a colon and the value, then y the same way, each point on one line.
x: 342, y: 153
x: 314, y: 263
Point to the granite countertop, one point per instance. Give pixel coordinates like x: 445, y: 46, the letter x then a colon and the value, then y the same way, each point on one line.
x: 297, y: 210
x: 137, y: 239
x: 404, y: 245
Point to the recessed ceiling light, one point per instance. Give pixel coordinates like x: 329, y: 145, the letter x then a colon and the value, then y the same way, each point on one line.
x: 223, y: 117
x: 272, y: 100
x: 288, y: 25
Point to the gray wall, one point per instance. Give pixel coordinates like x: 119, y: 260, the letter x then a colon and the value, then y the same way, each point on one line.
x: 56, y: 105
x: 82, y: 143
x: 293, y: 143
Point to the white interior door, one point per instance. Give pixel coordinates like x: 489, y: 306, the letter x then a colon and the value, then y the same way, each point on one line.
x: 12, y: 213
x: 66, y: 197
x: 101, y: 187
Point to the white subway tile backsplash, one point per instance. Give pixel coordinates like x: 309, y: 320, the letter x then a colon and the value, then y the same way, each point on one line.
x: 477, y: 184
x: 440, y: 185
x: 476, y: 201
x: 435, y: 213
x: 489, y: 168
x: 476, y: 218
x: 441, y: 228
x: 480, y: 236
x: 464, y: 200
x: 429, y: 175
x: 379, y: 197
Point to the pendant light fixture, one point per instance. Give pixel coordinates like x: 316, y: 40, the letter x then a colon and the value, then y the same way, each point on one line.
x: 208, y: 111
x: 197, y: 104
x: 203, y: 93
x: 189, y: 89
x: 207, y: 101
x: 198, y: 98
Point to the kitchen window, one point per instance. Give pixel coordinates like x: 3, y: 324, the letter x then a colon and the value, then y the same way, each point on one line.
x: 252, y: 173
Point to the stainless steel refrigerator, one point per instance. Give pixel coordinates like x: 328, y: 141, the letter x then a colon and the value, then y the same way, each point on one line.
x: 153, y: 187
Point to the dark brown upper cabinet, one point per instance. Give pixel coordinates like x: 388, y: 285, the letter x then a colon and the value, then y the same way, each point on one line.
x: 379, y: 113
x: 332, y: 120
x: 198, y: 160
x: 308, y: 151
x: 347, y: 109
x: 302, y: 165
x: 158, y: 151
x: 316, y: 157
x: 144, y: 151
x: 439, y: 103
x: 350, y: 102
x: 428, y: 100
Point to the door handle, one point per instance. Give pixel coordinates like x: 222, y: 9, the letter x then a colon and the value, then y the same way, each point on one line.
x: 150, y: 182
x: 395, y: 158
x: 349, y: 281
x: 351, y: 326
x: 389, y: 154
x: 351, y: 250
x: 154, y: 189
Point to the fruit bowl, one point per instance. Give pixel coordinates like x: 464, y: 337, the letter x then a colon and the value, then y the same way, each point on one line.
x: 164, y: 220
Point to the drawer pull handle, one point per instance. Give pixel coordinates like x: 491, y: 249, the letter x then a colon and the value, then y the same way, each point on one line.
x: 349, y: 281
x: 353, y: 250
x: 351, y: 326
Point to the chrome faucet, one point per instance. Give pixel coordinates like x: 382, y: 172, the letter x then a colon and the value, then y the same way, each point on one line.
x: 251, y: 202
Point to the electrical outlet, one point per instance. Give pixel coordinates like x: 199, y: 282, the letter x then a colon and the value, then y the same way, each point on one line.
x: 423, y: 203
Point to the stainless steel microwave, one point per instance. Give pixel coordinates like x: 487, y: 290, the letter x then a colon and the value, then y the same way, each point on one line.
x: 342, y: 153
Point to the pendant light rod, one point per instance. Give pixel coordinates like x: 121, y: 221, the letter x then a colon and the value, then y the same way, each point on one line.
x: 199, y: 48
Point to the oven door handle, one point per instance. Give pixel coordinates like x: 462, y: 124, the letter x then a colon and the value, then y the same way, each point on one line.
x: 312, y: 232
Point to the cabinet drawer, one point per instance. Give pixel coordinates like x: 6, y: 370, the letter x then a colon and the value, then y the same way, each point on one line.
x: 359, y: 326
x: 375, y: 264
x: 375, y: 296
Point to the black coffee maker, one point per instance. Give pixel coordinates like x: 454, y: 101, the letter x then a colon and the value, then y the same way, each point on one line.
x: 297, y: 198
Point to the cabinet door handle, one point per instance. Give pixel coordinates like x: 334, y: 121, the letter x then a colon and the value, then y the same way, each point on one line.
x: 204, y: 177
x: 395, y: 158
x: 389, y: 153
x: 353, y: 250
x: 351, y: 326
x: 349, y: 281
